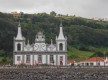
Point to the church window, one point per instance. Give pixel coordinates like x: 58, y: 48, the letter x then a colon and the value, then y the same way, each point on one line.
x: 61, y: 46
x: 28, y: 58
x: 51, y: 59
x: 19, y: 47
x: 40, y: 58
x: 61, y: 58
x: 18, y: 58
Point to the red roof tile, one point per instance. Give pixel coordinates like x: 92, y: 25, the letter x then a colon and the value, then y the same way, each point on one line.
x: 94, y: 59
x: 70, y: 61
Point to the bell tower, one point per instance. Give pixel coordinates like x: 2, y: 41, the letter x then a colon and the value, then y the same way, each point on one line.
x: 19, y: 40
x: 61, y: 41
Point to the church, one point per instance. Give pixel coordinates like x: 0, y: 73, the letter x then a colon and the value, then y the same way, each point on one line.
x: 40, y: 52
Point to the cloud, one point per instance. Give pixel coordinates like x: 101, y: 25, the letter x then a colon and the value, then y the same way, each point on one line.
x: 84, y: 8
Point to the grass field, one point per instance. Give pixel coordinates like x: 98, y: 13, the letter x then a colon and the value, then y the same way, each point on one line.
x: 79, y: 55
x: 82, y: 55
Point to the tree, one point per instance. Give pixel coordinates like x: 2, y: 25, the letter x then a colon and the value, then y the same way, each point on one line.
x: 2, y: 53
x: 53, y: 13
x: 4, y: 60
x: 98, y: 54
x: 105, y: 54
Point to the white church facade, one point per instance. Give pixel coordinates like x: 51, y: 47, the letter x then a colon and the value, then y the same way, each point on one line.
x: 40, y: 52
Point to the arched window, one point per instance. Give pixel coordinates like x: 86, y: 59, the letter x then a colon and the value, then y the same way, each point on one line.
x: 61, y: 46
x: 19, y: 47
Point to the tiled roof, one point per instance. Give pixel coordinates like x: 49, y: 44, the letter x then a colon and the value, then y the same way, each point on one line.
x: 94, y: 59
x: 71, y: 61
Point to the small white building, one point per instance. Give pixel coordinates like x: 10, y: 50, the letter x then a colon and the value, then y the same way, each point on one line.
x: 40, y: 52
x: 94, y: 61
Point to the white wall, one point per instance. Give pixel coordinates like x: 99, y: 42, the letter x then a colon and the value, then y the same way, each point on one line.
x: 55, y: 60
x: 106, y: 64
x: 49, y: 49
x: 35, y: 59
x: 48, y: 58
x: 94, y: 63
x: 43, y: 59
x: 31, y: 59
x: 26, y: 48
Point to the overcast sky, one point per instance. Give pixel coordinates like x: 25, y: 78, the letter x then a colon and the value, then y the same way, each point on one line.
x: 83, y: 8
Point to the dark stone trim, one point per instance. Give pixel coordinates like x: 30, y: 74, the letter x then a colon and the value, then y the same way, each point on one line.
x: 23, y: 58
x: 56, y: 59
x: 46, y: 59
x: 39, y: 41
x: 23, y: 47
x: 39, y: 53
x: 18, y: 40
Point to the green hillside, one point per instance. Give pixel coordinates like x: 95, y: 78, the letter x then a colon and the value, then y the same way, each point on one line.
x: 78, y: 54
x: 82, y: 55
x: 85, y: 36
